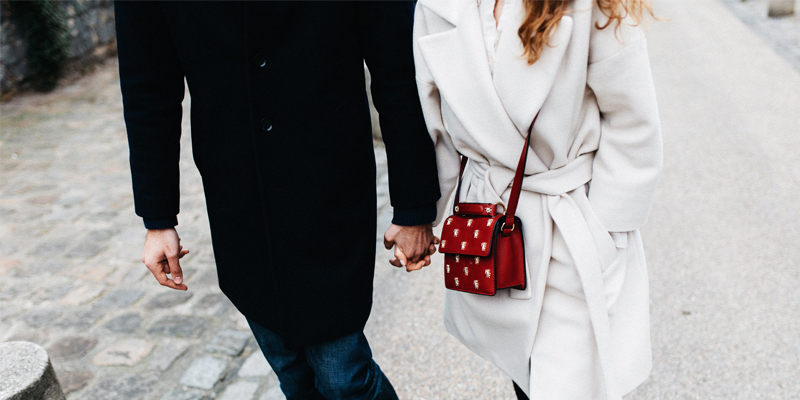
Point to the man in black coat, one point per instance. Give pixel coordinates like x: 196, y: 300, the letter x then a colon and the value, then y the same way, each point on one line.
x: 281, y: 136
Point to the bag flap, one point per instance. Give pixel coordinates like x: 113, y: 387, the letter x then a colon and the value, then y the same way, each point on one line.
x: 476, y: 209
x: 468, y: 235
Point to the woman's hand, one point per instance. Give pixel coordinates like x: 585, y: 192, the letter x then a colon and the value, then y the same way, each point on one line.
x: 413, y: 245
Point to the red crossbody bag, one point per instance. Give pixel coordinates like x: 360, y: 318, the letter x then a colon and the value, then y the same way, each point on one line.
x: 483, y: 250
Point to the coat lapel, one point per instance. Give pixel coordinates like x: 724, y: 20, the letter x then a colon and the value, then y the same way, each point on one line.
x: 524, y: 88
x: 457, y: 61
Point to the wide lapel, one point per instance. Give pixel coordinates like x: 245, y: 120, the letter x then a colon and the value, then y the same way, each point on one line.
x: 457, y: 61
x: 523, y: 88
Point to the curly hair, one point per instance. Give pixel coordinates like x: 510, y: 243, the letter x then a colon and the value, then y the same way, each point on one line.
x: 543, y: 16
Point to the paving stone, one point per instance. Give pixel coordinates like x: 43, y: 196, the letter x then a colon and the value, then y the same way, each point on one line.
x: 101, y: 235
x: 179, y: 326
x: 68, y: 201
x: 203, y: 373
x: 255, y: 366
x: 91, y: 272
x: 180, y: 394
x: 166, y: 354
x: 73, y: 380
x: 51, y: 266
x: 49, y: 248
x: 240, y: 391
x: 26, y: 215
x: 45, y: 199
x: 65, y: 215
x: 135, y: 274
x: 102, y: 216
x: 208, y: 278
x: 124, y: 352
x: 82, y: 294
x: 169, y: 299
x: 81, y: 320
x: 229, y: 341
x: 40, y: 318
x: 72, y: 347
x: 9, y: 248
x: 127, y: 387
x: 10, y: 292
x: 36, y: 268
x: 212, y: 305
x: 5, y: 330
x: 274, y: 393
x: 54, y: 292
x: 240, y: 320
x: 127, y: 323
x: 120, y: 298
x: 7, y: 311
x: 119, y: 274
x: 86, y: 250
x: 6, y: 264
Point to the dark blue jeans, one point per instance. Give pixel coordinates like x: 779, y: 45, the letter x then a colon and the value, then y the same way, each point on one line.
x: 340, y: 369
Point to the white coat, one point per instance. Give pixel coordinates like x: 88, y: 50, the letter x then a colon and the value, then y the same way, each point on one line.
x: 581, y: 328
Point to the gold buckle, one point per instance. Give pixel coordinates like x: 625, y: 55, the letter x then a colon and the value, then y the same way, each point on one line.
x: 504, y: 225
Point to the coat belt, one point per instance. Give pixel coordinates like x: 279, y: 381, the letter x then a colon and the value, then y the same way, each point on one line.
x: 564, y: 201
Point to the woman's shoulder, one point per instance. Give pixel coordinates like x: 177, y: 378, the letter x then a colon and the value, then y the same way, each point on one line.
x: 608, y: 36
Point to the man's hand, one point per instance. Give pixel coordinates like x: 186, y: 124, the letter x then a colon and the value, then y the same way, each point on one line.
x: 413, y: 245
x: 162, y: 250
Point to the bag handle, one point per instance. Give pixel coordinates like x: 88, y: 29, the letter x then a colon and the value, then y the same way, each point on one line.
x: 516, y: 187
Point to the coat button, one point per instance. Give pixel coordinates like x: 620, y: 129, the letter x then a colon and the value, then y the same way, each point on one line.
x: 260, y: 60
x: 266, y: 125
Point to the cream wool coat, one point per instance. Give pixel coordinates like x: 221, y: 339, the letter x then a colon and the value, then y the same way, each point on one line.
x: 581, y: 328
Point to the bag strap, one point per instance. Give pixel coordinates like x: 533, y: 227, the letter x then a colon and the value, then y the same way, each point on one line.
x: 516, y: 187
x: 458, y: 188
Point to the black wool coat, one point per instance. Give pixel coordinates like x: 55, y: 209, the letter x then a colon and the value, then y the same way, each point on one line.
x: 281, y: 135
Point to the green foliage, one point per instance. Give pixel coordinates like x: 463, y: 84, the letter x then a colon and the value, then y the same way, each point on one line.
x: 45, y: 28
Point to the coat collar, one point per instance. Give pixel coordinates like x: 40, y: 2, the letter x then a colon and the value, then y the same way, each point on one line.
x: 457, y: 60
x: 448, y: 10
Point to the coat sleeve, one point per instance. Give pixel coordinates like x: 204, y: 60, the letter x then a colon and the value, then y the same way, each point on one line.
x: 385, y: 31
x: 628, y: 160
x: 447, y: 158
x: 151, y: 80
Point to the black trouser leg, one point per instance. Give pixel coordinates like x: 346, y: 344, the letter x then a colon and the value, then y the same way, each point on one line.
x: 520, y: 394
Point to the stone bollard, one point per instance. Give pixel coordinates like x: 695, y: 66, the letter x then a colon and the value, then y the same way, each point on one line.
x: 779, y: 8
x: 26, y: 373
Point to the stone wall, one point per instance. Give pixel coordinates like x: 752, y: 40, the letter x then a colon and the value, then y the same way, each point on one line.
x: 90, y: 28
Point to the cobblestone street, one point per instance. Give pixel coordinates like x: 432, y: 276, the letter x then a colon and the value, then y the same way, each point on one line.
x: 71, y: 279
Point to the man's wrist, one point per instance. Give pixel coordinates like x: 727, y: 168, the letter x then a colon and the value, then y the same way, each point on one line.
x: 160, y: 223
x: 414, y: 216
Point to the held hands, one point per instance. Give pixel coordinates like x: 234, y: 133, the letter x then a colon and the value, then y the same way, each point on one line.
x: 413, y: 245
x: 161, y: 253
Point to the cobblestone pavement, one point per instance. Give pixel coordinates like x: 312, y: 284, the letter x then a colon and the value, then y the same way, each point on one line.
x: 71, y: 279
x: 781, y: 33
